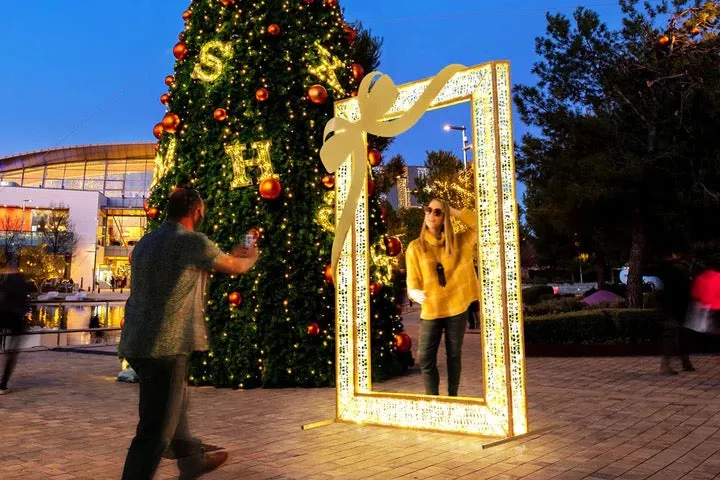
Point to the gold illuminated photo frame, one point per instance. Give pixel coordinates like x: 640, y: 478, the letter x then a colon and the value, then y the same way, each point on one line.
x: 502, y: 412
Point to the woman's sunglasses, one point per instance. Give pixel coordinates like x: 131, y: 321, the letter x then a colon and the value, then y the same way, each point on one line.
x: 435, y: 211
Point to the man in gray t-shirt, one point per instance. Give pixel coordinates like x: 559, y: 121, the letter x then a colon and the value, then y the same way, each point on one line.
x: 164, y: 323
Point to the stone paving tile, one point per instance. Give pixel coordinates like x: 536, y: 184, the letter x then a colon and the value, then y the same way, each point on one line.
x: 596, y: 418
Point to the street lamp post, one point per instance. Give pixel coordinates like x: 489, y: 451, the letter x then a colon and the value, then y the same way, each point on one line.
x: 27, y: 200
x: 465, y: 146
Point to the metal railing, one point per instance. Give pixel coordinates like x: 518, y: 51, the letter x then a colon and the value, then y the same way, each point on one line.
x: 63, y: 331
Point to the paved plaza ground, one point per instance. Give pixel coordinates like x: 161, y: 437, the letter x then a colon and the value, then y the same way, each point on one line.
x: 591, y: 418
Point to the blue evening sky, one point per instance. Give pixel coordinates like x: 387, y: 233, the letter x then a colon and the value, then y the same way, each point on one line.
x: 87, y: 72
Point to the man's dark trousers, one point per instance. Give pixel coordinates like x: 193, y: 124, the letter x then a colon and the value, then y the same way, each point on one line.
x: 163, y: 418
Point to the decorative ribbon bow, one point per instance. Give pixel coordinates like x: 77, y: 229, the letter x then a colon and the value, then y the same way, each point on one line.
x: 349, y: 138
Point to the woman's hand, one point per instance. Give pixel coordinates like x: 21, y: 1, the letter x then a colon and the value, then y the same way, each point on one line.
x: 416, y: 295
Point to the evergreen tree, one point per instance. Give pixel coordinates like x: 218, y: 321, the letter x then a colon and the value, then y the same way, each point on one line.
x: 253, y: 88
x: 625, y: 162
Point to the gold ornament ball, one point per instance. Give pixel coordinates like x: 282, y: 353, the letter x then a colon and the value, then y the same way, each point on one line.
x: 270, y: 189
x: 663, y: 40
x: 374, y: 157
x: 357, y: 71
x: 180, y: 50
x: 375, y: 288
x: 317, y: 94
x: 403, y: 342
x: 313, y: 329
x: 393, y: 246
x: 273, y: 29
x: 235, y: 298
x: 332, y: 3
x: 153, y: 213
x: 254, y: 232
x: 262, y: 94
x: 695, y: 30
x: 220, y: 114
x: 165, y: 98
x: 328, y: 180
x: 186, y: 15
x: 169, y: 80
x: 328, y: 274
x: 171, y: 122
x: 158, y: 130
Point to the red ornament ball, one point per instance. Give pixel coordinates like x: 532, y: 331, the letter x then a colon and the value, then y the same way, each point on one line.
x: 122, y: 322
x: 186, y: 15
x: 383, y: 213
x: 332, y: 3
x: 375, y: 288
x: 171, y: 122
x: 227, y: 3
x: 262, y: 94
x: 313, y: 329
x: 370, y: 187
x: 169, y: 80
x: 403, y: 342
x: 273, y: 29
x: 308, y: 2
x: 270, y: 188
x: 328, y: 274
x: 374, y: 157
x: 158, y: 130
x: 393, y: 246
x: 353, y: 93
x: 328, y: 180
x: 156, y: 147
x: 165, y: 98
x: 235, y: 298
x: 153, y: 213
x: 146, y: 205
x: 180, y: 50
x: 317, y: 94
x: 350, y: 34
x: 358, y: 72
x: 220, y: 114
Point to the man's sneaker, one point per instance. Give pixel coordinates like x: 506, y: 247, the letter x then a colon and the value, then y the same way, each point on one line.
x: 212, y: 462
x: 4, y: 391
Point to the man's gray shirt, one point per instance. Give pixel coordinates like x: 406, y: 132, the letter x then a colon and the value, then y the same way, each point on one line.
x: 164, y: 314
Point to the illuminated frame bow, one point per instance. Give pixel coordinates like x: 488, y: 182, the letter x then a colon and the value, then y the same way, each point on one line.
x: 383, y: 109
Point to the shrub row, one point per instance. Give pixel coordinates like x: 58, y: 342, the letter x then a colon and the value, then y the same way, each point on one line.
x: 611, y: 326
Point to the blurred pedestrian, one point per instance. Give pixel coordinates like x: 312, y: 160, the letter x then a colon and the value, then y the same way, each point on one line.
x: 674, y: 301
x: 14, y: 292
x: 164, y: 323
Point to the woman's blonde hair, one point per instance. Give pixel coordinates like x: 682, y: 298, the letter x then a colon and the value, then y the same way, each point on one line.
x: 447, y: 228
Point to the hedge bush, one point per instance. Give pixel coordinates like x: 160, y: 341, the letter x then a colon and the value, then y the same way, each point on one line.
x: 554, y: 306
x: 533, y: 295
x: 609, y: 326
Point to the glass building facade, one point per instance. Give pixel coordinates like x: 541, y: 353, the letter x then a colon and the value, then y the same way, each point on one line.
x: 122, y: 173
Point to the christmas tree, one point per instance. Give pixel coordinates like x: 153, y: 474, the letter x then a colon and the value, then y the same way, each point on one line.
x: 253, y: 88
